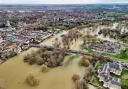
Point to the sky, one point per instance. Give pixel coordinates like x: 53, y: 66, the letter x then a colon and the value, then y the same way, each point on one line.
x: 60, y: 1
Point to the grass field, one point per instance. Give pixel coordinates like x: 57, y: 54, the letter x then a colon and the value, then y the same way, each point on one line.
x: 124, y: 79
x: 122, y: 56
x: 113, y: 14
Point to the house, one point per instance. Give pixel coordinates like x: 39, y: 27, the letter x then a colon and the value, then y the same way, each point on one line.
x: 104, y: 74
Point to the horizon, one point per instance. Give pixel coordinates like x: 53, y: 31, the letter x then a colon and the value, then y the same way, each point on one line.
x: 68, y: 4
x: 54, y: 2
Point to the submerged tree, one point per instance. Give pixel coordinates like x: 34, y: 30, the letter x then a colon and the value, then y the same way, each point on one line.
x: 32, y: 80
x: 85, y: 61
x: 56, y: 43
x: 75, y: 77
x: 44, y: 68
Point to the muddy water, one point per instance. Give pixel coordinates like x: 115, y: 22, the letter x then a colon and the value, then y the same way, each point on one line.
x: 14, y: 71
x: 95, y: 32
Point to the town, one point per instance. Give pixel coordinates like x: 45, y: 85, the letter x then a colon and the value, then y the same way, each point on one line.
x: 86, y: 44
x: 15, y: 41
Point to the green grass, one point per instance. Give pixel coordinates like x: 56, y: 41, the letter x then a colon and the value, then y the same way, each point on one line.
x: 122, y: 56
x: 124, y: 81
x: 89, y: 50
x: 62, y: 27
x: 113, y: 14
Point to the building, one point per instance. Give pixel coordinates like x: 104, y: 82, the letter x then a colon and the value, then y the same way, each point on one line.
x: 105, y: 72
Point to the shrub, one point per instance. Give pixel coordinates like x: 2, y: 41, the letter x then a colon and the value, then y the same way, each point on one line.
x: 32, y: 60
x: 51, y: 58
x: 85, y: 62
x: 80, y: 84
x: 44, y: 68
x: 75, y: 77
x: 40, y: 61
x: 26, y: 58
x: 32, y: 80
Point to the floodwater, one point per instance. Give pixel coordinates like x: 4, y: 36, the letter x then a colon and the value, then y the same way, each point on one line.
x: 95, y: 32
x: 14, y: 71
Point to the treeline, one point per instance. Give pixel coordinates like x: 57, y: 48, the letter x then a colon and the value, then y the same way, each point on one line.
x: 49, y: 57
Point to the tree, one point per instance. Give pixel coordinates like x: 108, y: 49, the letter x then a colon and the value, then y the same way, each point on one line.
x: 27, y: 57
x: 40, y: 61
x: 66, y: 42
x: 32, y: 60
x: 32, y: 80
x: 85, y: 61
x: 81, y: 84
x: 75, y: 77
x: 57, y: 43
x: 88, y: 77
x: 44, y: 68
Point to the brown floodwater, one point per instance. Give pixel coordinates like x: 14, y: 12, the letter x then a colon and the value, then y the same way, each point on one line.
x: 14, y: 71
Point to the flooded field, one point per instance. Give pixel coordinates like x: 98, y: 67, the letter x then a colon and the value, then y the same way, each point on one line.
x: 95, y: 32
x: 14, y: 71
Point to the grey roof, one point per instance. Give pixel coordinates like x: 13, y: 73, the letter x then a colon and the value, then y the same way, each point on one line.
x: 115, y: 66
x: 115, y: 81
x: 107, y: 78
x: 105, y: 73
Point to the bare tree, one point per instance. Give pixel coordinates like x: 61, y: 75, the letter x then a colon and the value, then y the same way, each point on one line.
x: 32, y: 80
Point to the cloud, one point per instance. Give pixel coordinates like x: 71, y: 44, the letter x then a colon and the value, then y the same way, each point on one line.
x: 60, y: 1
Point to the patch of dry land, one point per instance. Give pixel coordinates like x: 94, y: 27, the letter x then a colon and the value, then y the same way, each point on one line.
x: 13, y: 72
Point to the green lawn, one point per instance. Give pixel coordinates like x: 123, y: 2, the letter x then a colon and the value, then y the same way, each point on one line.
x: 124, y: 79
x: 62, y: 27
x: 122, y: 56
x: 113, y: 14
x: 89, y: 50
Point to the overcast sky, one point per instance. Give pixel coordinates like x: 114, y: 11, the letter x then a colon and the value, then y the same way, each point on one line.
x: 60, y: 1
